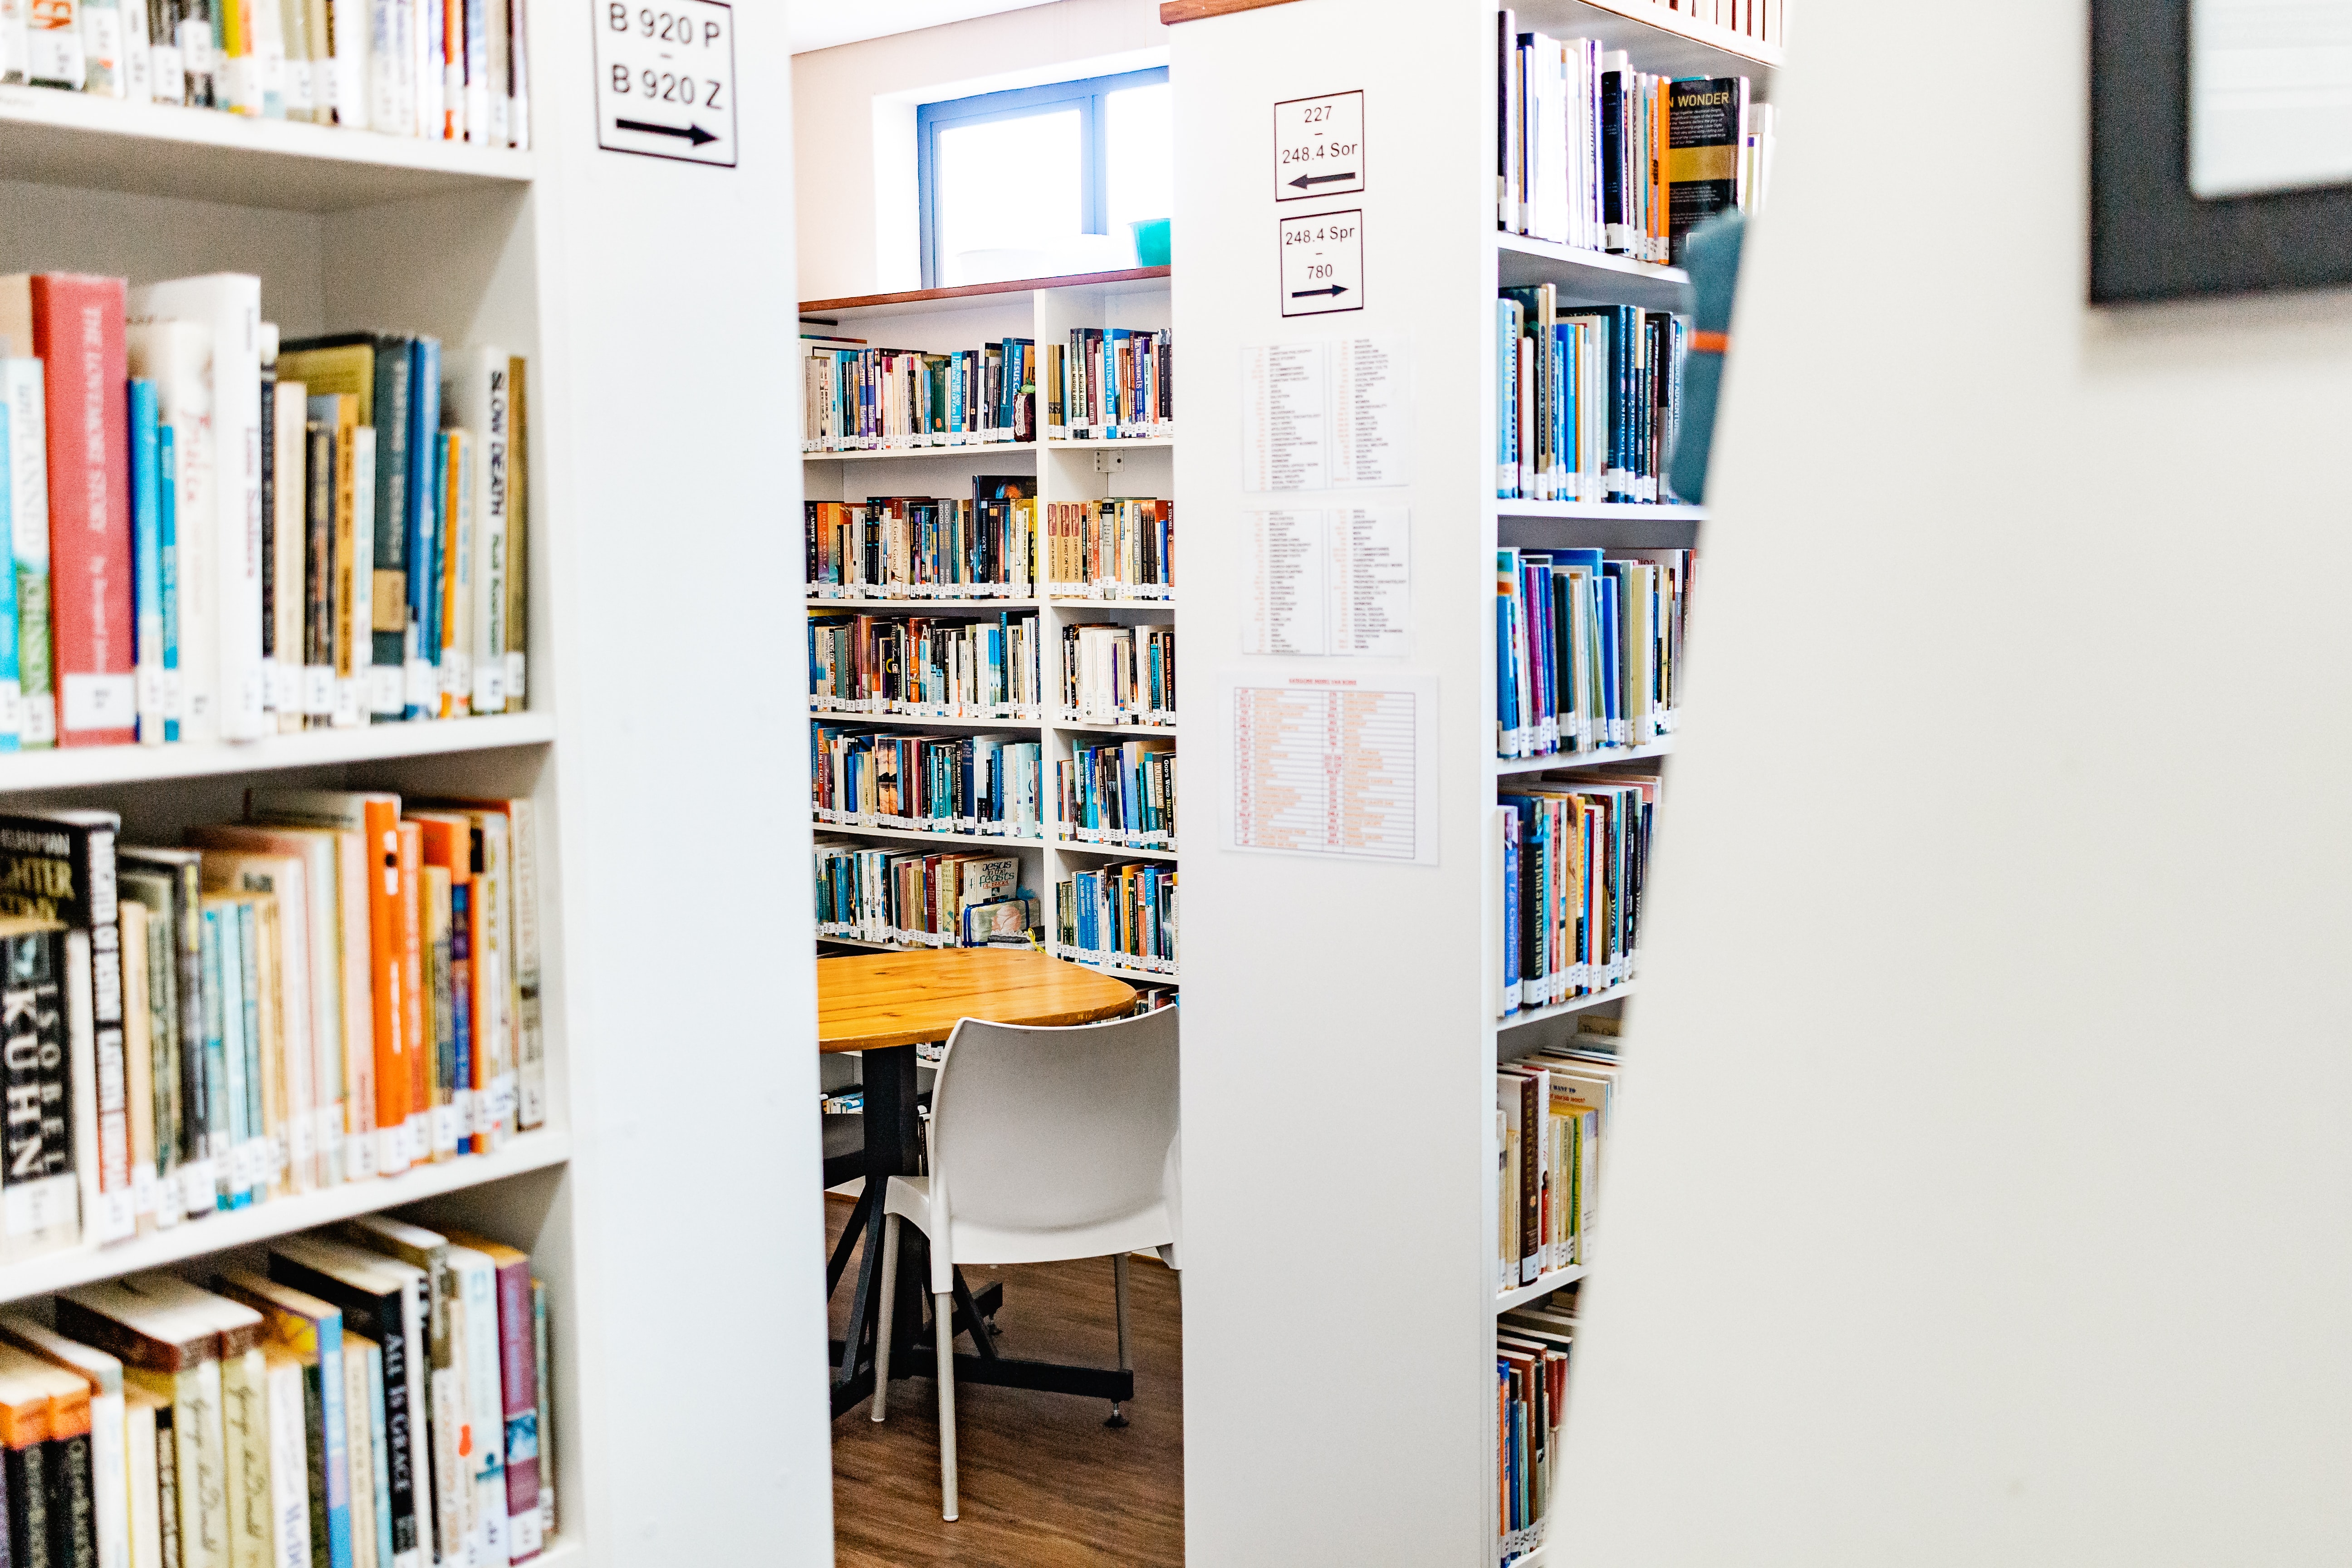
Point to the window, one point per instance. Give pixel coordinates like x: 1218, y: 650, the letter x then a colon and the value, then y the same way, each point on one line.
x: 1041, y: 181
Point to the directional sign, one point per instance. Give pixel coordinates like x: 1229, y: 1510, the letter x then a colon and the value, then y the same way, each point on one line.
x: 666, y: 79
x: 1322, y: 263
x: 1319, y: 146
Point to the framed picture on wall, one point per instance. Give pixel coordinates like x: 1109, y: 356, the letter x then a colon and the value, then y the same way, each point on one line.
x: 2221, y: 147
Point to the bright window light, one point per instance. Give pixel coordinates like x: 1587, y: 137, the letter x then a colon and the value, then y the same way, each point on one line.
x: 1005, y: 185
x: 1139, y: 155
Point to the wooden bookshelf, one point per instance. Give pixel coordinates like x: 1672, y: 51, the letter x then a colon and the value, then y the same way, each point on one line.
x: 1044, y: 309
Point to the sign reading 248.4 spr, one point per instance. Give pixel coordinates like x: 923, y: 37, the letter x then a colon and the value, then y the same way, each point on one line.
x: 1322, y: 263
x: 666, y: 79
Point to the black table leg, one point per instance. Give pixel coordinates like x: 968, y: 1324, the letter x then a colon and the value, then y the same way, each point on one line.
x: 890, y: 1147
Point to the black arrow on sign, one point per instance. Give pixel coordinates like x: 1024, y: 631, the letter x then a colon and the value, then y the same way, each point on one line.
x: 694, y: 133
x: 1335, y: 291
x: 1304, y: 181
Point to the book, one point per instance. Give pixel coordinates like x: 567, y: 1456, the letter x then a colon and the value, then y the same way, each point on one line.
x: 1119, y: 548
x: 518, y: 1382
x: 308, y: 1332
x: 409, y: 68
x: 478, y: 396
x: 980, y: 784
x: 40, y: 1201
x: 176, y: 356
x: 860, y: 398
x: 1706, y: 130
x: 1575, y: 859
x: 229, y: 304
x: 929, y: 666
x: 1122, y: 914
x: 1122, y: 792
x: 518, y: 568
x: 1590, y: 648
x: 24, y: 386
x: 109, y: 1454
x: 78, y: 334
x: 169, y: 883
x: 1117, y: 674
x: 146, y: 561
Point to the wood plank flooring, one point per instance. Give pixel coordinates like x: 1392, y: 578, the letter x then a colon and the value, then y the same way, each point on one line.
x: 1044, y: 1483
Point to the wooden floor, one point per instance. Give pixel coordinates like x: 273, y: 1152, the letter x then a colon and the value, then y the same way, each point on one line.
x: 1044, y: 1483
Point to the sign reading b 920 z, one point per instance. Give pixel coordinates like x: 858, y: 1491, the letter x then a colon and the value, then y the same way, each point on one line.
x: 666, y: 79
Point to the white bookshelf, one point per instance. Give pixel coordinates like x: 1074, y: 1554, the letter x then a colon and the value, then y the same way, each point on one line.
x: 1362, y: 990
x: 1046, y: 311
x: 614, y: 1197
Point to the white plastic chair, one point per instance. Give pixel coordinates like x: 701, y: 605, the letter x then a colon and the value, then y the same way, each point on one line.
x: 1047, y: 1145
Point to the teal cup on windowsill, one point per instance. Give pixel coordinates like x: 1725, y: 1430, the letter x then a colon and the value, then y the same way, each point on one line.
x: 1150, y: 242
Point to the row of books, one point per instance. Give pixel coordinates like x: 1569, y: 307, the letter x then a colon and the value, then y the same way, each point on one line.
x: 1110, y: 382
x: 447, y: 70
x: 922, y: 547
x: 1589, y: 649
x: 915, y: 898
x: 1122, y: 914
x: 1551, y: 1118
x: 865, y: 399
x: 980, y: 785
x: 1105, y: 383
x: 368, y: 1397
x: 332, y: 990
x: 261, y: 539
x: 926, y: 667
x: 1575, y: 860
x: 1532, y: 1347
x: 1762, y: 20
x: 1000, y: 544
x: 1598, y: 155
x: 1120, y: 793
x: 1587, y: 398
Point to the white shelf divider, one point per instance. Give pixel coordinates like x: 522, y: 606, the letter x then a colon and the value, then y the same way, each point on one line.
x: 78, y: 767
x: 1543, y: 1285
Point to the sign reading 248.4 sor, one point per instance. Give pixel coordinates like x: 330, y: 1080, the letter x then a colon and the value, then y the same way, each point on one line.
x: 666, y: 79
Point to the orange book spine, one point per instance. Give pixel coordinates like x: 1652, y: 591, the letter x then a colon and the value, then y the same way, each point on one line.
x: 391, y: 985
x: 419, y: 1076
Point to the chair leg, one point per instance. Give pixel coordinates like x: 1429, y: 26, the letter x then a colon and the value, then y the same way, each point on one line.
x: 945, y: 1316
x: 889, y: 1302
x: 1126, y: 1361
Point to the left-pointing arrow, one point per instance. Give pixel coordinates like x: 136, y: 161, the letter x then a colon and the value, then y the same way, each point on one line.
x: 1304, y: 181
x: 694, y: 133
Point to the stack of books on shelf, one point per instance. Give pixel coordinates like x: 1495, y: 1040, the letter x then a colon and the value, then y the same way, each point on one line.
x: 337, y: 988
x: 1122, y: 548
x: 457, y: 71
x: 924, y: 666
x: 1599, y: 156
x: 366, y: 1398
x: 1551, y: 1118
x: 1122, y: 793
x: 932, y: 784
x: 1762, y: 20
x: 1122, y: 915
x: 258, y: 539
x: 917, y: 900
x: 1589, y: 649
x: 1575, y: 858
x: 864, y: 399
x: 1118, y: 675
x: 1587, y: 398
x: 1532, y: 1346
x: 926, y: 547
x: 1110, y: 384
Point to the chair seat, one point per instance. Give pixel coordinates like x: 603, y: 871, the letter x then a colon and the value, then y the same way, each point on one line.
x: 1143, y: 1230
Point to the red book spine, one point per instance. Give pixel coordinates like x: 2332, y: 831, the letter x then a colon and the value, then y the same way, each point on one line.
x: 519, y: 1380
x: 77, y: 332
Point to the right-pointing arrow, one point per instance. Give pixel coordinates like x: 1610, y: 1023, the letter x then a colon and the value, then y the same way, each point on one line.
x: 1335, y: 291
x: 693, y: 134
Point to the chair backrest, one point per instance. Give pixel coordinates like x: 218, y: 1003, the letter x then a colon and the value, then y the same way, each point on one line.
x: 1042, y: 1128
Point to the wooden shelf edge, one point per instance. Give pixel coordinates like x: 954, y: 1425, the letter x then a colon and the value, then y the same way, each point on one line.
x: 983, y: 291
x: 285, y: 1217
x: 1174, y: 11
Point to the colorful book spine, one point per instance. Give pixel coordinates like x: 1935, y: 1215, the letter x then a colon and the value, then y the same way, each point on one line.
x: 78, y: 330
x: 12, y: 703
x: 27, y: 388
x: 147, y: 558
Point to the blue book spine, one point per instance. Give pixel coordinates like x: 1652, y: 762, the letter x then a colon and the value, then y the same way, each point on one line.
x: 379, y: 1462
x: 147, y: 558
x: 461, y: 945
x: 248, y: 957
x: 419, y: 657
x: 220, y: 1128
x: 1506, y: 700
x: 1610, y: 677
x: 337, y: 1437
x: 12, y: 696
x: 167, y: 556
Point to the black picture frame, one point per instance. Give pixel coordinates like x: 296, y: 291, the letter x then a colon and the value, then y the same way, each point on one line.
x: 2150, y: 239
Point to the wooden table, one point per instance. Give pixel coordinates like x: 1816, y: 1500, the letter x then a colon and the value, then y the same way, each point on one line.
x: 885, y: 1004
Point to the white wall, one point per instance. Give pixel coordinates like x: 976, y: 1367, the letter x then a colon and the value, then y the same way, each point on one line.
x: 1983, y: 1186
x: 854, y: 118
x: 693, y: 1013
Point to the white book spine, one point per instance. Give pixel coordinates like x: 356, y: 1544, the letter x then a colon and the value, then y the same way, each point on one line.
x: 289, y: 1470
x: 141, y: 1478
x: 111, y: 1481
x: 477, y: 399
